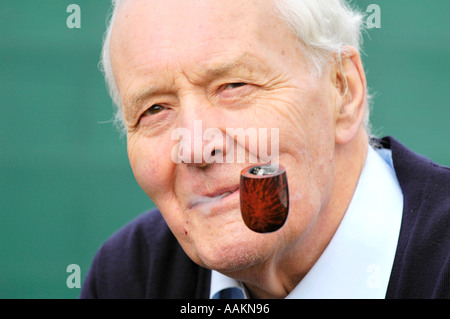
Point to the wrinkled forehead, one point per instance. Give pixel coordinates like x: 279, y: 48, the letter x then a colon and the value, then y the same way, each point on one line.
x: 181, y: 12
x: 155, y: 34
x: 180, y: 23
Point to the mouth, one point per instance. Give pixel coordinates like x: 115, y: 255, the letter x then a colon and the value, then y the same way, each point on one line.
x: 218, y: 197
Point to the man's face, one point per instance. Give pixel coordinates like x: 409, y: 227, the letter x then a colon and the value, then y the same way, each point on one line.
x: 228, y: 64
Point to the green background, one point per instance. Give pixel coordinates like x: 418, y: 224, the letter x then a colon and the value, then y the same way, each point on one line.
x: 65, y: 181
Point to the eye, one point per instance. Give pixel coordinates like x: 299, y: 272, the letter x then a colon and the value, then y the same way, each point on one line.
x: 154, y: 109
x: 231, y: 86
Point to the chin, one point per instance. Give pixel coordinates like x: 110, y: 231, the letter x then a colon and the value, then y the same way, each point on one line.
x: 237, y: 251
x: 231, y: 260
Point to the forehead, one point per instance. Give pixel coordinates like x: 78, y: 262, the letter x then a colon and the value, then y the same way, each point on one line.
x: 158, y: 33
x: 164, y: 18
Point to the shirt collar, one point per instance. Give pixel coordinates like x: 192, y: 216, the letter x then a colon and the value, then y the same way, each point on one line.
x: 358, y: 261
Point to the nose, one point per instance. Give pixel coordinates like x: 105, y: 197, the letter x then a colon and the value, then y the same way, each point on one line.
x: 200, y: 142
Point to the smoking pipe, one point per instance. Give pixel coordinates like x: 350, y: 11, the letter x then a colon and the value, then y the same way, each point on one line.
x: 264, y: 197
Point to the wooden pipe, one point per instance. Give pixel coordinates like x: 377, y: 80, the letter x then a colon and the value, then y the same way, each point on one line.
x: 264, y: 197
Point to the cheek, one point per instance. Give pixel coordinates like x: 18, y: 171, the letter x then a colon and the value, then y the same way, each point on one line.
x: 151, y: 164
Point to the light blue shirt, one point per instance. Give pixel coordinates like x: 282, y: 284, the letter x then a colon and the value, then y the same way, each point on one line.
x: 358, y: 261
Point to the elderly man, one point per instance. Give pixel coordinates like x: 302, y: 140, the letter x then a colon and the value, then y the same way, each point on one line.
x: 367, y: 217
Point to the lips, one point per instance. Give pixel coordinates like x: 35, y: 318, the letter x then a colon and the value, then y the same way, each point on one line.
x: 224, y: 191
x: 213, y: 197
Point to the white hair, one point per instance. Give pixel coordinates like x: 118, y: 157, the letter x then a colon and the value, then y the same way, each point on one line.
x: 322, y: 27
x: 106, y: 67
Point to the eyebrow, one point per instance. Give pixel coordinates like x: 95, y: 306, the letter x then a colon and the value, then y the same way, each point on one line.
x: 132, y: 103
x: 141, y: 94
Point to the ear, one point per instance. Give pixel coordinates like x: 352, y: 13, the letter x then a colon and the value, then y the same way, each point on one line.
x: 351, y: 95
